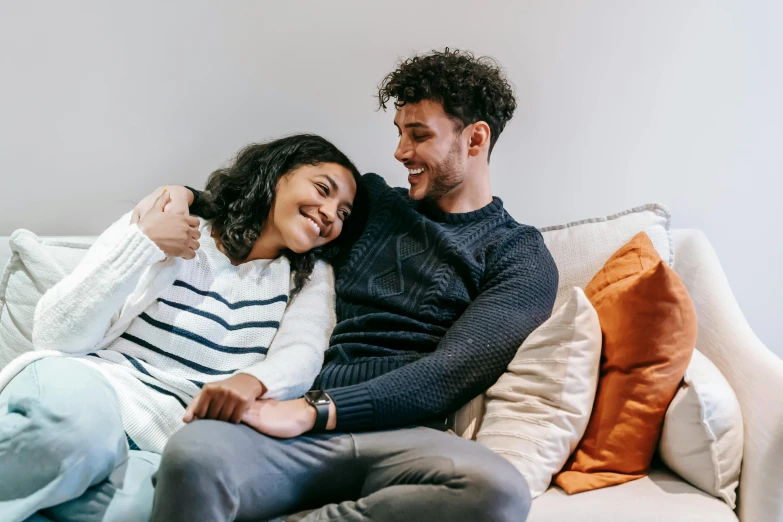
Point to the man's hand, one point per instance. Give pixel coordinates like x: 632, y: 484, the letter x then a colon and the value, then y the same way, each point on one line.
x: 181, y: 199
x: 176, y: 234
x: 285, y: 419
x: 226, y: 400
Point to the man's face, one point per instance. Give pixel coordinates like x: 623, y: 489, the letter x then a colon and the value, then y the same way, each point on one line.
x: 431, y: 148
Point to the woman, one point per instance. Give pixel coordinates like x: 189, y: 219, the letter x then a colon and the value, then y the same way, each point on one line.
x: 152, y: 341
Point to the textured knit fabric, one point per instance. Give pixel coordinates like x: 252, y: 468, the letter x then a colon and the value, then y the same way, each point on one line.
x: 431, y: 308
x: 184, y: 323
x: 215, y: 320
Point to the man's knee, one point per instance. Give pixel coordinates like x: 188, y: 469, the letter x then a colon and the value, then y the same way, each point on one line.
x: 200, y: 449
x: 496, y: 491
x: 196, y: 448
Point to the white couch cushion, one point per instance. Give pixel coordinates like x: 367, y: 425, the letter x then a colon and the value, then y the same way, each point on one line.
x: 35, y: 266
x: 581, y: 248
x: 538, y: 410
x: 659, y: 497
x: 702, y: 431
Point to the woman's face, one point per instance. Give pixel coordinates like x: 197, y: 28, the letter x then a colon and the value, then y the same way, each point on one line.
x: 311, y: 204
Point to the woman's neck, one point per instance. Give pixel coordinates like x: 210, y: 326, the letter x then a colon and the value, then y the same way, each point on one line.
x: 264, y: 248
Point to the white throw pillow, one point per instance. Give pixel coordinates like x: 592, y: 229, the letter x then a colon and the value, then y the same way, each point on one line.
x: 35, y: 266
x: 538, y: 410
x: 581, y: 248
x: 702, y: 432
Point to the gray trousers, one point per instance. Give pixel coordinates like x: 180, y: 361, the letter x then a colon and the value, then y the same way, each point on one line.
x: 215, y: 471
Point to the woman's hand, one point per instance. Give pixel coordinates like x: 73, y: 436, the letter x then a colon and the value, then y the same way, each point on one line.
x: 175, y: 234
x: 225, y: 400
x: 181, y: 199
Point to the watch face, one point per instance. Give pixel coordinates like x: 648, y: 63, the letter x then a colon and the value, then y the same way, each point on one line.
x: 318, y: 397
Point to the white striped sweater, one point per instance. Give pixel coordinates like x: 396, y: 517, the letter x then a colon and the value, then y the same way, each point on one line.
x: 201, y: 321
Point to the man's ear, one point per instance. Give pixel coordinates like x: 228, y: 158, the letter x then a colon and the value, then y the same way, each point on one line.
x: 478, y: 138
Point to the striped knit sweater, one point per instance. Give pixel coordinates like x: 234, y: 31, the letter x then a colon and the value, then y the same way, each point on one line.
x: 203, y: 322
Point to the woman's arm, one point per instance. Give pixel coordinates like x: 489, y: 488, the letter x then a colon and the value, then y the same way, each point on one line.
x: 74, y: 315
x: 297, y: 350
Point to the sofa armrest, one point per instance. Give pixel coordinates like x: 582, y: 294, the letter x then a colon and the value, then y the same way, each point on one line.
x: 754, y: 372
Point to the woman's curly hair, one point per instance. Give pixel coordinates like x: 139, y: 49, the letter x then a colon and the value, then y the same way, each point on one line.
x: 239, y: 198
x: 470, y: 89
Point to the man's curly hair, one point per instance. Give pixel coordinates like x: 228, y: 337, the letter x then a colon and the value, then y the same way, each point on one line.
x: 239, y: 198
x: 470, y: 89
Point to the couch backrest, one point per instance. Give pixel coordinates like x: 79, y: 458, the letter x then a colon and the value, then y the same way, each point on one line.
x: 5, y: 249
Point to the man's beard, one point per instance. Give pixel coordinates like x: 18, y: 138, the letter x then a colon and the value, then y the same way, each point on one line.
x: 446, y: 176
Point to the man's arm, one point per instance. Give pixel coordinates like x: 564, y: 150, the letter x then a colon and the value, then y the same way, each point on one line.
x: 517, y: 296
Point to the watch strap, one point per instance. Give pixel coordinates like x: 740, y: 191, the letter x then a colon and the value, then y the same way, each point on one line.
x: 321, y: 415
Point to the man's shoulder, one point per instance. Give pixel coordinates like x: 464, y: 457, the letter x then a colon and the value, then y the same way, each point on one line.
x: 378, y: 190
x: 377, y: 185
x: 516, y: 241
x: 512, y: 232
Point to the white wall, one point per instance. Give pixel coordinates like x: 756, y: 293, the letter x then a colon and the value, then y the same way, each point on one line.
x: 621, y: 103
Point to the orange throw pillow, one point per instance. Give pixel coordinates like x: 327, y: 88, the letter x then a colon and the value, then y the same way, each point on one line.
x: 649, y: 328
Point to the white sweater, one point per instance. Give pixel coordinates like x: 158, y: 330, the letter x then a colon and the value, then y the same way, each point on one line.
x: 161, y: 328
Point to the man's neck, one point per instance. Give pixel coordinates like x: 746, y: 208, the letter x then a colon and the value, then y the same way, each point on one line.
x: 472, y: 194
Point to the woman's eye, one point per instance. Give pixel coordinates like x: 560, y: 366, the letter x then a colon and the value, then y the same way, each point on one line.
x: 323, y: 189
x: 344, y: 214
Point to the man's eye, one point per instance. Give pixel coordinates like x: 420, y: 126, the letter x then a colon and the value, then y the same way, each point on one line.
x: 420, y: 137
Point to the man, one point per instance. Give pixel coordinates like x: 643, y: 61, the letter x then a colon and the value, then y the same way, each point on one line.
x: 433, y: 300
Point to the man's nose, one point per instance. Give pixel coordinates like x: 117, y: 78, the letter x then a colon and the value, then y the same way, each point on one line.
x: 404, y: 151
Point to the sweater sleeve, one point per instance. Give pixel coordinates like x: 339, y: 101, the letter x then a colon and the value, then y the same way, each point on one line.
x: 517, y: 295
x: 74, y: 314
x: 197, y: 207
x: 297, y: 351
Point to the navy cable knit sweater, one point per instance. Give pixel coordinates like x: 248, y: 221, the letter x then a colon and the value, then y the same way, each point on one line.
x: 431, y: 308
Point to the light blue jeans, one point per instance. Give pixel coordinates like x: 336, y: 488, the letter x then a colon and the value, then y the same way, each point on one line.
x: 63, y: 450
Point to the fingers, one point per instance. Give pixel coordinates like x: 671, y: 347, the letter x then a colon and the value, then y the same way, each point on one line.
x: 195, y: 233
x: 229, y: 407
x: 215, y: 407
x: 238, y: 413
x: 191, y: 409
x: 192, y: 221
x: 200, y: 411
x: 162, y: 200
x: 135, y: 216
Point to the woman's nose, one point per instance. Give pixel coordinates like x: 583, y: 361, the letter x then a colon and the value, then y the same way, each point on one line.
x: 328, y: 213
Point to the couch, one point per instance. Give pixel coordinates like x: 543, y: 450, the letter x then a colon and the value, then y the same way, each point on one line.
x: 754, y: 372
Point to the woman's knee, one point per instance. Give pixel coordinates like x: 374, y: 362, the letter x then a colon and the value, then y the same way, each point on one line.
x: 46, y: 445
x: 57, y: 416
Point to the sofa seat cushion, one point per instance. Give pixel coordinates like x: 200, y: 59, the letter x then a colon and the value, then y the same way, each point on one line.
x: 660, y: 496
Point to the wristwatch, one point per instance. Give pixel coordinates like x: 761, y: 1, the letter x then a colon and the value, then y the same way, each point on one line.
x: 319, y: 400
